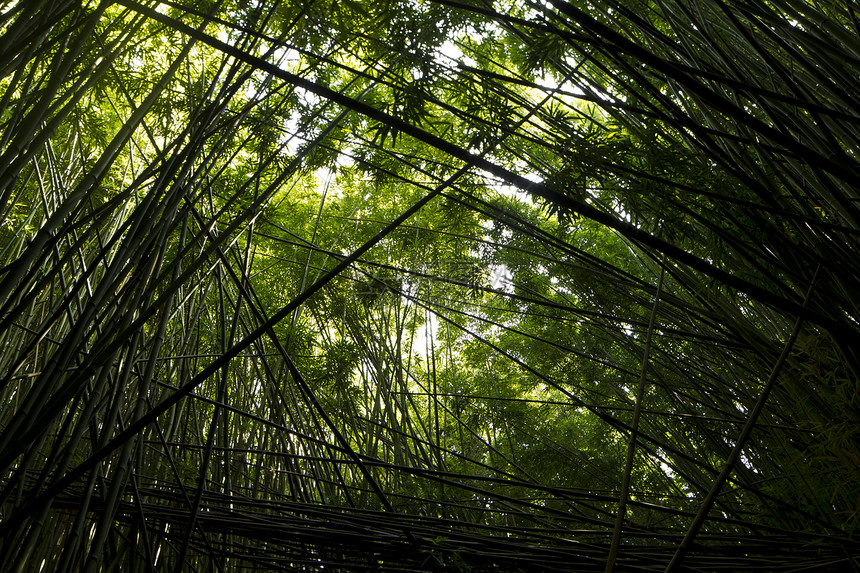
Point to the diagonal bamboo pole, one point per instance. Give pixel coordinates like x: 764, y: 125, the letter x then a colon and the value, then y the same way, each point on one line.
x: 745, y: 434
x: 634, y: 428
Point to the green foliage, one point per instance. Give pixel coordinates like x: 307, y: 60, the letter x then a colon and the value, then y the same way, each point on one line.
x: 369, y: 285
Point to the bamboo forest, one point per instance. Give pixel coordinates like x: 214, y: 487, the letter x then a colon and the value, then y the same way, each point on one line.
x: 429, y: 285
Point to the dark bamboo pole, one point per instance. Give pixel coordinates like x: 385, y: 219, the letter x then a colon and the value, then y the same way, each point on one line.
x: 740, y: 443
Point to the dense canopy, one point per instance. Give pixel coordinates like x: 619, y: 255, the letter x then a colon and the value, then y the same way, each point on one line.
x: 429, y: 285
